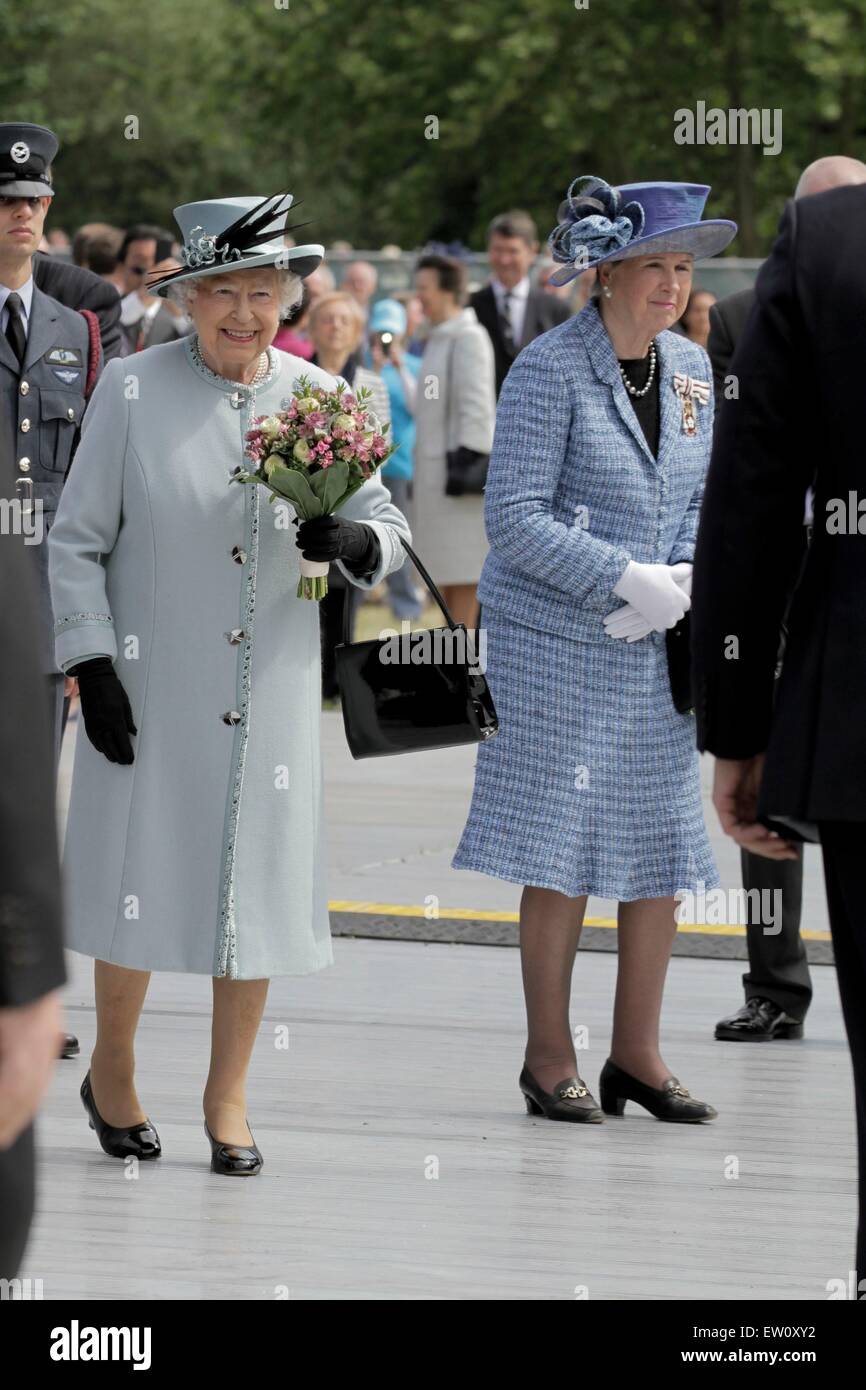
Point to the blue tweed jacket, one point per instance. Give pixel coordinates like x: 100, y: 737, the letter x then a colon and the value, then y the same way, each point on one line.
x: 573, y: 491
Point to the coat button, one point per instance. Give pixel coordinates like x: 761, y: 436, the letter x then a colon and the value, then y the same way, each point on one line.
x: 236, y: 635
x: 25, y: 425
x: 24, y: 465
x: 70, y: 412
x: 231, y: 716
x: 238, y: 555
x: 24, y: 387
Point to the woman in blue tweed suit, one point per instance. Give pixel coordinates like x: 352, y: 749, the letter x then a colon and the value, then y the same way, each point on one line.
x: 591, y: 786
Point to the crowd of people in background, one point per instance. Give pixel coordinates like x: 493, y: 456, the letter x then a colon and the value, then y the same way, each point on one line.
x: 463, y: 332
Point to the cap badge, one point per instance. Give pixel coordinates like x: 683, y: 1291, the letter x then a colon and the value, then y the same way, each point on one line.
x: 20, y: 152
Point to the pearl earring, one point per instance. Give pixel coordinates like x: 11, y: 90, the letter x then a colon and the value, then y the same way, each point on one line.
x: 607, y: 291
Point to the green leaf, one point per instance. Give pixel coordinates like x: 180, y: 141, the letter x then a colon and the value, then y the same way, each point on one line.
x: 294, y: 487
x: 336, y: 482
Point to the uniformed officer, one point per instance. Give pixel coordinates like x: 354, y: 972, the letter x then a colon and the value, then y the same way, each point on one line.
x: 44, y: 361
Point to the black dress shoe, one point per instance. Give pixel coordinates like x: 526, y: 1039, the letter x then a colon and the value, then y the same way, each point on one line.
x: 759, y: 1020
x: 234, y: 1160
x: 69, y: 1047
x: 570, y: 1100
x: 139, y: 1141
x: 670, y: 1102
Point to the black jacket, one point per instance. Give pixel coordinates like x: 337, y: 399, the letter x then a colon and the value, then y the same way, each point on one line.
x: 543, y: 311
x: 798, y: 420
x: 79, y: 288
x: 727, y: 320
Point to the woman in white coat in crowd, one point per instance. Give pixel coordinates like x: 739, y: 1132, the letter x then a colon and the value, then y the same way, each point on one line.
x: 195, y: 830
x: 455, y: 407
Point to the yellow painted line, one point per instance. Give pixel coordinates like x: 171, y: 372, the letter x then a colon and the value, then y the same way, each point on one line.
x: 457, y: 914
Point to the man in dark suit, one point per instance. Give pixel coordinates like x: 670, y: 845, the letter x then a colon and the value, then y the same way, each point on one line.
x: 79, y: 288
x: 795, y: 758
x: 32, y: 969
x: 778, y: 986
x: 510, y: 309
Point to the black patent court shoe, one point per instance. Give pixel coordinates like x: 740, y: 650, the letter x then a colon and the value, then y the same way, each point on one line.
x: 138, y: 1141
x: 233, y: 1160
x: 670, y: 1102
x: 569, y: 1100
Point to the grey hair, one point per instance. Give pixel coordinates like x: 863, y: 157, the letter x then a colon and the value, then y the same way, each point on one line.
x: 290, y: 286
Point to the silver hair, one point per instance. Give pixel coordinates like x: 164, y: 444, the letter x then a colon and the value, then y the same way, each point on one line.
x: 291, y: 289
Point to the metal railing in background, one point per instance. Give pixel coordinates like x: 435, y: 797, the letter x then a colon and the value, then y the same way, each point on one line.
x: 723, y: 275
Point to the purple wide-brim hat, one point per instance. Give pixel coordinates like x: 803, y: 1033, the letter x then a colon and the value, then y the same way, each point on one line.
x: 601, y: 223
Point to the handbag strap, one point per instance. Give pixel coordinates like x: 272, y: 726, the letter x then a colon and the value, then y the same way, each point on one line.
x: 452, y: 348
x: 427, y: 580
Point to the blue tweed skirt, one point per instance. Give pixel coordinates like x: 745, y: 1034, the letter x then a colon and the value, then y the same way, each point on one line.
x: 592, y: 784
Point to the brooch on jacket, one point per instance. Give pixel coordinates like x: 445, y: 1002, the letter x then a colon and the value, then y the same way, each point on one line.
x: 689, y: 390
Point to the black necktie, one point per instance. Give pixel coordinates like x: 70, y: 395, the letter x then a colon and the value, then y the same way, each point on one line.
x: 15, y: 327
x: 505, y: 325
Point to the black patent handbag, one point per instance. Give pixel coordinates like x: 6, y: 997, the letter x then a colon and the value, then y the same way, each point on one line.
x: 414, y: 692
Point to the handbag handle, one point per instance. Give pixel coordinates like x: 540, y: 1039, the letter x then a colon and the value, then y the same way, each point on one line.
x: 427, y: 580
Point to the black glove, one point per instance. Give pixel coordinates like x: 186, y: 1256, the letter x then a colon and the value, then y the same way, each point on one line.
x: 333, y: 538
x: 105, y: 708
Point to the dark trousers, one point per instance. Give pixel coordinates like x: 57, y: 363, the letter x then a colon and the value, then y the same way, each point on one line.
x: 18, y: 1163
x: 17, y: 1198
x: 778, y: 967
x: 843, y: 845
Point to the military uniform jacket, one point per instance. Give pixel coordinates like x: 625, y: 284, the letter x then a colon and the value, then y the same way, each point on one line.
x: 41, y: 408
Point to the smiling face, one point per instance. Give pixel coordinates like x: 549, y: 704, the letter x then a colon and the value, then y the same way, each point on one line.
x: 510, y: 258
x: 21, y: 223
x: 236, y: 317
x: 648, y: 293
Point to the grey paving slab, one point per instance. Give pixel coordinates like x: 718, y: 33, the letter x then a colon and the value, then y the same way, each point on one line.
x: 400, y: 1162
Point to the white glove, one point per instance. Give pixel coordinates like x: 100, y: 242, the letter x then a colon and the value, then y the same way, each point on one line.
x: 682, y: 573
x: 657, y: 594
x: 627, y: 622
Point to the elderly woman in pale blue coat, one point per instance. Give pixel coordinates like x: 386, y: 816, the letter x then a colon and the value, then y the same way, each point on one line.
x: 592, y: 786
x: 195, y: 837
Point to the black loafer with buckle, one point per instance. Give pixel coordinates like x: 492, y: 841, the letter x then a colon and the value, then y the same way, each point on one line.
x: 669, y: 1102
x: 569, y: 1100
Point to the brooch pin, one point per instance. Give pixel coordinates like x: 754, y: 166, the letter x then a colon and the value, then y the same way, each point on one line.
x: 689, y: 390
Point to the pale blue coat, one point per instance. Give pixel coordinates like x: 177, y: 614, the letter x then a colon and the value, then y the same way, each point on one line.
x: 207, y: 854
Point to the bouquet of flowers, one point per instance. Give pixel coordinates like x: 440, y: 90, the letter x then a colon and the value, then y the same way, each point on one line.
x: 316, y: 454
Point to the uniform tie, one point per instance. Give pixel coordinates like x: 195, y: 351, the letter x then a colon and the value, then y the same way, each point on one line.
x: 15, y: 333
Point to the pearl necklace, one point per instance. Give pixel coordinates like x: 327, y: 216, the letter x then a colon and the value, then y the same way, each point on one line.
x: 261, y: 371
x: 632, y: 390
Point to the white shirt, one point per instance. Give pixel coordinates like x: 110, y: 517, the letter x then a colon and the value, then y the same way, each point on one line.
x: 516, y: 306
x: 26, y: 296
